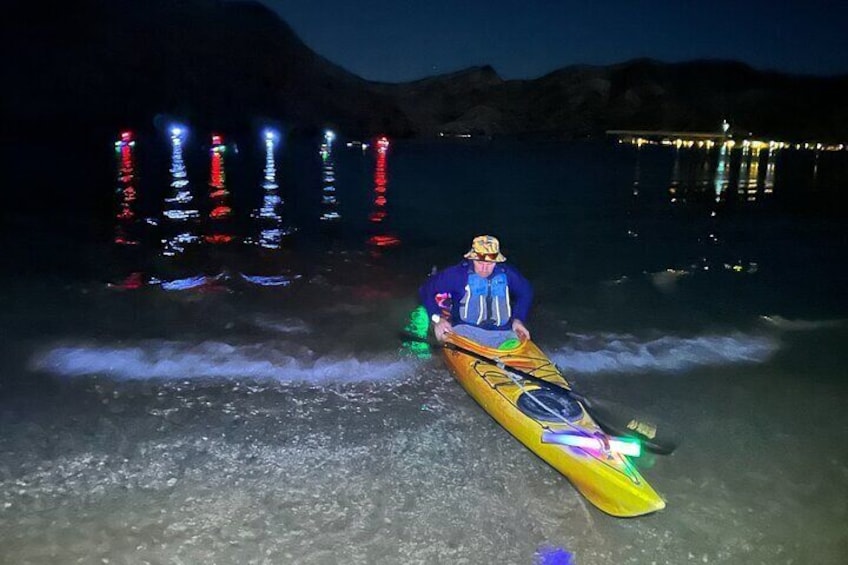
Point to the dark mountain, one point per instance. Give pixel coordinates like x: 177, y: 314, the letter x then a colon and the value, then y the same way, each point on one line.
x: 227, y: 64
x: 221, y: 64
x: 642, y: 94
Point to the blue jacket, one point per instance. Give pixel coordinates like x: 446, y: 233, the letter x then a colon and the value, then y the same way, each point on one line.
x: 453, y: 281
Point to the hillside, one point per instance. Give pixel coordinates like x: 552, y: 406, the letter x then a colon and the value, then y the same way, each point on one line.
x: 226, y: 65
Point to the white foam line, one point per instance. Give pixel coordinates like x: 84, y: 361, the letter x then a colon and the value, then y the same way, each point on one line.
x: 626, y: 353
x: 164, y: 360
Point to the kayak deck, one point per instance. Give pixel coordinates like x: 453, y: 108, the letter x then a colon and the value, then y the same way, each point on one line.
x: 608, y: 479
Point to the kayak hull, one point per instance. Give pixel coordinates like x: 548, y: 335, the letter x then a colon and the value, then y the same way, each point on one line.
x: 607, y: 479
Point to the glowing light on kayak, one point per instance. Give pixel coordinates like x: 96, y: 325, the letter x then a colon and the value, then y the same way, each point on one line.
x: 625, y: 446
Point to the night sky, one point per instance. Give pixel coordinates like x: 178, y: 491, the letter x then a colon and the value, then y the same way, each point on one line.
x: 400, y: 40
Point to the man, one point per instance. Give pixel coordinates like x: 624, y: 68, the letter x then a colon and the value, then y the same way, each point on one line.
x: 485, y: 292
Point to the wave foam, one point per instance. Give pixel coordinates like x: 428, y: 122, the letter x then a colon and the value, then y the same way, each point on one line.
x: 169, y: 361
x: 624, y: 353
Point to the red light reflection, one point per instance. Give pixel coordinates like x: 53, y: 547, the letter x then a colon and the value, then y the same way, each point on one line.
x: 384, y: 240
x: 134, y: 281
x: 218, y: 238
x: 379, y: 213
x: 125, y: 216
x: 220, y: 211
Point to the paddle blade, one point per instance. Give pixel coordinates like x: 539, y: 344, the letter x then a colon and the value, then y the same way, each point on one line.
x: 619, y: 421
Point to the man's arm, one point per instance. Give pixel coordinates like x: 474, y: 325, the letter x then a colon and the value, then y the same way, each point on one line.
x: 438, y: 283
x: 522, y: 294
x: 428, y: 291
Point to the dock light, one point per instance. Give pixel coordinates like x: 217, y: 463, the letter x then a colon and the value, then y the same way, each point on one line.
x: 329, y: 136
x: 624, y: 446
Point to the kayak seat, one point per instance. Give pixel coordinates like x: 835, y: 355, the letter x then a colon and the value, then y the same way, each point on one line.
x: 548, y: 405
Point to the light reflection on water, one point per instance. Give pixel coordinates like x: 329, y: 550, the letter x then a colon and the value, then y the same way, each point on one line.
x: 180, y: 214
x: 126, y: 225
x: 707, y: 191
x: 269, y: 216
x: 694, y: 170
x: 700, y: 181
x: 219, y: 228
x: 722, y: 174
x: 194, y: 230
x: 329, y: 196
x: 382, y: 237
x: 698, y: 227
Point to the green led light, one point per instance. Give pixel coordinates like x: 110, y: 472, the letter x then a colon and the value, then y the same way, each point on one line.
x: 624, y: 446
x: 418, y: 325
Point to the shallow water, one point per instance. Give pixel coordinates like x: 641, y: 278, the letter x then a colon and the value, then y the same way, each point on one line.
x: 199, y: 413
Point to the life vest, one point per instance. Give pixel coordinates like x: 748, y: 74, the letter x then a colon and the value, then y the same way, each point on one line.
x: 486, y: 301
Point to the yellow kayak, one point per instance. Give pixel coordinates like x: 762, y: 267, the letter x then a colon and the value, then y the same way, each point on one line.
x: 531, y: 413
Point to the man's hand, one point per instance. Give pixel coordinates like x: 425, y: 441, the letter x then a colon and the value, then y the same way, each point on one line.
x: 441, y: 329
x: 520, y: 330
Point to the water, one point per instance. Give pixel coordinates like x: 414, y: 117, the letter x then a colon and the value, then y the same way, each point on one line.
x: 202, y: 363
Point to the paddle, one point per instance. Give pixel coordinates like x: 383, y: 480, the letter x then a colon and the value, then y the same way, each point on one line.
x: 609, y: 416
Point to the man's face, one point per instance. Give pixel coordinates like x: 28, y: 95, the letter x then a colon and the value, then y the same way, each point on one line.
x: 483, y: 268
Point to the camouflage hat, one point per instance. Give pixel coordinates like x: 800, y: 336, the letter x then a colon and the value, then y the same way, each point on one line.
x: 486, y: 248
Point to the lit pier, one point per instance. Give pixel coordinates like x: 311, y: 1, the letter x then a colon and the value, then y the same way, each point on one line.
x: 708, y: 140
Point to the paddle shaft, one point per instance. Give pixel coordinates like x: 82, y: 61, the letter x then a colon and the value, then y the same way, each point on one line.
x: 587, y: 404
x: 503, y: 366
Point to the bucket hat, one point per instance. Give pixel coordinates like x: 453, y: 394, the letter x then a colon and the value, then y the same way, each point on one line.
x: 486, y: 248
